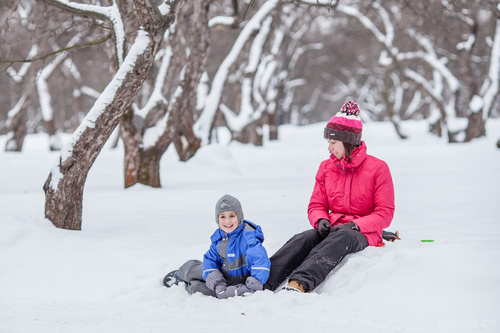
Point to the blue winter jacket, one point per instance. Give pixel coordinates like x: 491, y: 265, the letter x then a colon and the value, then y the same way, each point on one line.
x: 238, y: 254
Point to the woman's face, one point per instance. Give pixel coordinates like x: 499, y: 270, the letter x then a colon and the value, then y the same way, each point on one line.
x: 336, y: 148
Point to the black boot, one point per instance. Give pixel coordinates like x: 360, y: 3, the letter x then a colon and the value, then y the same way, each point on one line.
x: 171, y: 279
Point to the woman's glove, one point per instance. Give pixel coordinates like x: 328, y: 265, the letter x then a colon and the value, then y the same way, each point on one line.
x: 324, y: 227
x: 349, y: 225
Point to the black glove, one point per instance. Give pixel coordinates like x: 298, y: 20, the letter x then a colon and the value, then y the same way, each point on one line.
x: 349, y: 225
x: 324, y: 227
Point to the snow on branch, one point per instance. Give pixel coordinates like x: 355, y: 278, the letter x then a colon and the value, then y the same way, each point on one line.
x: 110, y: 12
x: 15, y: 110
x: 18, y: 76
x: 105, y: 99
x: 203, y: 125
x: 221, y: 21
x: 43, y: 87
x: 157, y: 96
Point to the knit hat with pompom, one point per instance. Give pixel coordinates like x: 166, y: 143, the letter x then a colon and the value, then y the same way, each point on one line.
x: 229, y: 203
x: 346, y: 125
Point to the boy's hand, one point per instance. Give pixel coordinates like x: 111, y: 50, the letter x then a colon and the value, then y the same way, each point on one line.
x: 253, y: 284
x: 215, y: 279
x: 232, y: 291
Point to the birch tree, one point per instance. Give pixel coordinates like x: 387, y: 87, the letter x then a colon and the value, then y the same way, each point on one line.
x: 65, y: 183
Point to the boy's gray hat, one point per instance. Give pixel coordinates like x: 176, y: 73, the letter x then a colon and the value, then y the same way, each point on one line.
x: 228, y: 203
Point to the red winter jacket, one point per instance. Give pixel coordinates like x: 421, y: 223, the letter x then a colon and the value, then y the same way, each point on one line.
x: 359, y: 191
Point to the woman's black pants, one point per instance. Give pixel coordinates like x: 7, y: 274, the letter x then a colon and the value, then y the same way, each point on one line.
x: 308, y: 258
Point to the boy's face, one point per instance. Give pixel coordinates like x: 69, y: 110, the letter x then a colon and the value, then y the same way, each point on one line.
x: 228, y: 221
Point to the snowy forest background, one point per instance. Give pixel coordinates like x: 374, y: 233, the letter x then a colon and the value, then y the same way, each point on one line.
x: 232, y: 97
x: 160, y: 73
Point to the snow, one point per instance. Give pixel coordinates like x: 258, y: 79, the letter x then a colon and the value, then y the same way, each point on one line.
x: 43, y: 88
x: 221, y: 20
x: 107, y: 277
x: 18, y: 76
x: 15, y: 110
x: 156, y: 96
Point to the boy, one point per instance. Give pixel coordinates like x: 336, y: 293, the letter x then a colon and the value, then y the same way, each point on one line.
x: 236, y: 262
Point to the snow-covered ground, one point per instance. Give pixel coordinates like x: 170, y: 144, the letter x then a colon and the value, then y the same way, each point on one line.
x: 107, y: 277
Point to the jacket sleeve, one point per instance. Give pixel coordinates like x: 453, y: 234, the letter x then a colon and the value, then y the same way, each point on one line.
x: 257, y: 260
x: 211, y: 261
x: 383, y: 199
x: 318, y: 205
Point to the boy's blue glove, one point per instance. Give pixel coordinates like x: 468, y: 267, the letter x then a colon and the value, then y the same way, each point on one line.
x: 324, y: 227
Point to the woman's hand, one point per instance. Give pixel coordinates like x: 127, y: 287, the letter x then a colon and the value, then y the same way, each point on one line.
x: 349, y: 225
x: 324, y: 227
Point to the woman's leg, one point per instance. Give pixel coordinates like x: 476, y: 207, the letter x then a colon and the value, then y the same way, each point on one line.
x: 326, y: 256
x: 290, y: 256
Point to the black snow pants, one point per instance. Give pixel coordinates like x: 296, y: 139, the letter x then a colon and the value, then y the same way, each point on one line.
x: 192, y: 274
x: 308, y: 258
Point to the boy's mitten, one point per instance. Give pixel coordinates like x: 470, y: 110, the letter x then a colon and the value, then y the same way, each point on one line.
x: 216, y: 279
x: 253, y: 284
x: 349, y: 225
x: 232, y: 291
x: 324, y: 227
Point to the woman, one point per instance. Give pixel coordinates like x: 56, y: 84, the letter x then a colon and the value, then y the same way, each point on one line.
x: 352, y: 202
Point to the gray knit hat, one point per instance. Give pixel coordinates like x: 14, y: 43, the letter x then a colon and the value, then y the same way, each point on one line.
x: 228, y: 203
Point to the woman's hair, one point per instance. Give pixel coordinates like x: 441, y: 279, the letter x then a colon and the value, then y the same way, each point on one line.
x: 349, y: 148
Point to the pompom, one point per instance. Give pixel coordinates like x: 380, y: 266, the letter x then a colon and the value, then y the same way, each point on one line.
x: 351, y: 108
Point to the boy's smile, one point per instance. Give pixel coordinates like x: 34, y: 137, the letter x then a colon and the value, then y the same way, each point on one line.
x: 228, y: 221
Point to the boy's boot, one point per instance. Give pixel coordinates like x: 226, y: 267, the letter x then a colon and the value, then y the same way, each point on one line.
x: 170, y: 279
x: 295, y: 286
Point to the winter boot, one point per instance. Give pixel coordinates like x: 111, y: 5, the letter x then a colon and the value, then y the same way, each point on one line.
x: 294, y: 285
x: 171, y: 279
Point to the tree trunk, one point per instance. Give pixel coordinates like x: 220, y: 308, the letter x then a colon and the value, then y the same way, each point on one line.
x: 387, y: 103
x: 65, y: 184
x: 16, y: 127
x: 149, y: 167
x: 142, y: 164
x: 131, y: 136
x: 476, y: 126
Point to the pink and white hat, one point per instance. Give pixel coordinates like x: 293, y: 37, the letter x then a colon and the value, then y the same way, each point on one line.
x: 346, y: 125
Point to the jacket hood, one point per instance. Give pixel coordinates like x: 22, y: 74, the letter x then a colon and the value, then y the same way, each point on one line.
x: 358, y: 156
x: 246, y: 226
x: 229, y: 203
